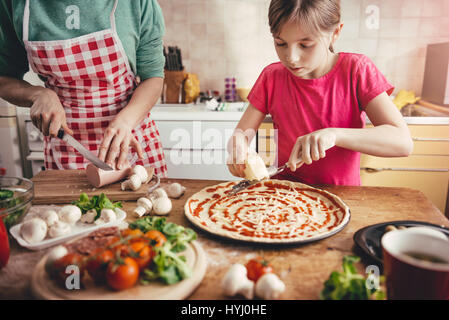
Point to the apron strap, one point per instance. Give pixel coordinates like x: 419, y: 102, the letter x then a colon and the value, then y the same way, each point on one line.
x: 26, y: 21
x: 112, y: 17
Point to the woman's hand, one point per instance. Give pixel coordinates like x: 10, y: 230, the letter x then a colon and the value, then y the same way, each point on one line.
x: 312, y: 147
x: 114, y: 148
x: 47, y: 113
x: 238, y: 153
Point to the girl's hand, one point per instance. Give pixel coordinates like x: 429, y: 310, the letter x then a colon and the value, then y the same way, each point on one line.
x: 312, y: 147
x: 114, y: 148
x: 47, y: 113
x: 238, y: 153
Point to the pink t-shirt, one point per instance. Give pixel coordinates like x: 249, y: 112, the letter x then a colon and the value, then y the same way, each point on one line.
x: 301, y: 106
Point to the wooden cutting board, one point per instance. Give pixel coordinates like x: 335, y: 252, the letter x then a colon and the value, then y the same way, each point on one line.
x: 43, y: 287
x: 64, y: 186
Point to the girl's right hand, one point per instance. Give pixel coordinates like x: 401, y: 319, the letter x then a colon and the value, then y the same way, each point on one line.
x: 47, y: 113
x: 238, y: 154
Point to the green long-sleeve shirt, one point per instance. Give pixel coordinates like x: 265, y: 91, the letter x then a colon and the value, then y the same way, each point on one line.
x: 140, y: 27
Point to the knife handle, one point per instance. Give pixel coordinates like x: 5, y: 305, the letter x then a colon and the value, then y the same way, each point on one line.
x: 60, y: 133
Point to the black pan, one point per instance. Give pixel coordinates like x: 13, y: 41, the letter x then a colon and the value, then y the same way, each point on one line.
x: 368, y: 238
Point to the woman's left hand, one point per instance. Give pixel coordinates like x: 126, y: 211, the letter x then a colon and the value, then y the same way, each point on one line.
x: 114, y: 148
x: 312, y: 147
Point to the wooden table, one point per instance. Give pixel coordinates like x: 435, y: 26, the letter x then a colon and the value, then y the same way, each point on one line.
x: 303, y: 268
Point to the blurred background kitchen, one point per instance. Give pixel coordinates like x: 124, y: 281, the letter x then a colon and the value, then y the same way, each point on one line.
x: 230, y: 39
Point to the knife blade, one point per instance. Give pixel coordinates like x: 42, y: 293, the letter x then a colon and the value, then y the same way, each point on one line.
x: 82, y: 149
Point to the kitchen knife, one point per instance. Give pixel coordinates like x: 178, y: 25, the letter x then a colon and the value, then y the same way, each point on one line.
x: 84, y: 152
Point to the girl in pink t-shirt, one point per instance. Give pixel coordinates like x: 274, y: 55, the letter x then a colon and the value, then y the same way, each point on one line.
x: 318, y: 100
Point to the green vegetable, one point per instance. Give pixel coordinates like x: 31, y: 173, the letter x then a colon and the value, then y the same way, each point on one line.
x: 168, y: 266
x: 6, y: 194
x: 13, y: 217
x: 349, y: 284
x: 96, y: 202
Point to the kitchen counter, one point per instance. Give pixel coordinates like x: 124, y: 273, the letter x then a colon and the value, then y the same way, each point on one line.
x: 199, y: 112
x: 303, y: 268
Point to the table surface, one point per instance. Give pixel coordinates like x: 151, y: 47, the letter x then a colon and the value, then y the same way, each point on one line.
x: 303, y: 268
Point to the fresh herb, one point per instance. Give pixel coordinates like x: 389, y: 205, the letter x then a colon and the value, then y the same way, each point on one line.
x: 168, y: 266
x: 349, y: 284
x: 96, y: 202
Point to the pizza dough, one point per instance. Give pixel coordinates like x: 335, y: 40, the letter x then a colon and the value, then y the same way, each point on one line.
x: 271, y: 211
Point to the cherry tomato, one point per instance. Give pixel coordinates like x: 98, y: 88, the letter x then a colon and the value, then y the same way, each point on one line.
x: 122, y: 275
x: 257, y: 267
x: 59, y: 266
x: 144, y: 253
x: 134, y: 234
x: 97, y: 264
x: 157, y: 238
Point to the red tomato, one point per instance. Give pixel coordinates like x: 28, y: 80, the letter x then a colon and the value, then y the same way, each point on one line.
x: 134, y: 234
x: 257, y: 267
x: 4, y: 245
x: 144, y: 253
x: 157, y: 238
x: 97, y: 264
x: 60, y: 266
x: 122, y: 275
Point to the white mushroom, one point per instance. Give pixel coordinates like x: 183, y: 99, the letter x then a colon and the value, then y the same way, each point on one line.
x: 49, y: 216
x: 59, y: 229
x: 158, y: 193
x: 175, y: 190
x: 141, y: 172
x: 70, y: 214
x: 89, y: 216
x: 34, y: 230
x: 144, y: 206
x: 139, y: 211
x: 107, y: 215
x: 236, y: 282
x: 54, y: 254
x: 133, y: 183
x: 269, y: 287
x: 162, y: 206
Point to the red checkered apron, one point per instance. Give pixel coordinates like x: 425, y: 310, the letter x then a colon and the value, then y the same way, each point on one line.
x: 93, y: 80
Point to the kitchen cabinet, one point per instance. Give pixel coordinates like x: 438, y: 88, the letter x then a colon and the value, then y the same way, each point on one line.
x: 196, y: 149
x: 427, y: 169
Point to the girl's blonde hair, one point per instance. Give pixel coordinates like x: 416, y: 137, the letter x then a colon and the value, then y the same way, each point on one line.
x: 317, y: 16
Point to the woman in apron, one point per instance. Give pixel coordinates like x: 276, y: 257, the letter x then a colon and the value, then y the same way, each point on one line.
x: 92, y: 93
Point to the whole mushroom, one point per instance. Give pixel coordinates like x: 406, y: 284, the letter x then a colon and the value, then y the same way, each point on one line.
x: 141, y: 172
x: 70, y: 214
x: 59, y: 229
x: 55, y: 254
x: 144, y: 206
x: 134, y: 182
x: 162, y: 206
x: 34, y: 230
x: 175, y: 190
x: 49, y: 216
x: 89, y: 216
x: 269, y: 287
x: 236, y: 282
x: 107, y: 215
x: 158, y: 193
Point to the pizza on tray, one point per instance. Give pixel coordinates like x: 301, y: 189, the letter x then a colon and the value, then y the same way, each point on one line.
x: 272, y: 211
